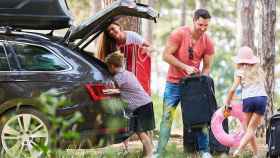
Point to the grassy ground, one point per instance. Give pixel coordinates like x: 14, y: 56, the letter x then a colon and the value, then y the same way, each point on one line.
x: 174, y: 150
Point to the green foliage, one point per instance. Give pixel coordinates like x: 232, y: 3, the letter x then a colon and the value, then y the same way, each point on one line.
x: 59, y: 130
x: 222, y: 72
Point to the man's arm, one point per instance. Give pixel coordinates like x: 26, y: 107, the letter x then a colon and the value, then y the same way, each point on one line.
x: 207, y: 63
x: 168, y: 56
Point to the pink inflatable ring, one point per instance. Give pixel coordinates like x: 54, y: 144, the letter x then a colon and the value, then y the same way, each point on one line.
x: 228, y: 139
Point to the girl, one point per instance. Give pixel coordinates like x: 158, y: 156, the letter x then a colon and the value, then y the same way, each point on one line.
x: 250, y: 76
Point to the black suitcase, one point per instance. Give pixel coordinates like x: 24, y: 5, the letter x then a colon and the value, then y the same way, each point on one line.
x: 197, y: 100
x: 273, y: 136
x: 198, y: 105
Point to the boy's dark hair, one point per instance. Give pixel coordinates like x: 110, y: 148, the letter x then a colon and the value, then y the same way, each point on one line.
x: 202, y: 13
x: 116, y: 58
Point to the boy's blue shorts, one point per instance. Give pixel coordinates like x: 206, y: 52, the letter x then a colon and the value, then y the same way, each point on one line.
x: 255, y: 104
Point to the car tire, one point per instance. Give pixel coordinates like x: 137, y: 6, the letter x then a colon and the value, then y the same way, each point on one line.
x: 24, y: 133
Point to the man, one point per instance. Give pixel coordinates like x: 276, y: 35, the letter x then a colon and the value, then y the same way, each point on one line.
x: 185, y: 49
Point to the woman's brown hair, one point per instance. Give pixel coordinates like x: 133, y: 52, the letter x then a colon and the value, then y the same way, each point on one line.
x: 106, y: 44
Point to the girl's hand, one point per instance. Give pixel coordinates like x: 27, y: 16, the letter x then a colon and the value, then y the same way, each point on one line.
x: 227, y: 102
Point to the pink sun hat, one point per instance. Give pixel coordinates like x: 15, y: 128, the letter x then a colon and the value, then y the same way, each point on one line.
x: 245, y: 55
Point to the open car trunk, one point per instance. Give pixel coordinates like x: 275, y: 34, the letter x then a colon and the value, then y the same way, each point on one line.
x: 34, y: 14
x: 103, y: 18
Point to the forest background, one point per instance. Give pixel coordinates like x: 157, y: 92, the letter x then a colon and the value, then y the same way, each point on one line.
x: 234, y: 23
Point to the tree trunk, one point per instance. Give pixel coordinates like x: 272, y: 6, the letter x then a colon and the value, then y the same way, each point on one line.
x: 184, y: 10
x: 267, y: 50
x: 201, y: 4
x: 95, y: 5
x: 128, y: 23
x: 106, y: 2
x: 247, y: 12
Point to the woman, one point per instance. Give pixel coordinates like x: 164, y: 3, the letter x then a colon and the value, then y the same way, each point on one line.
x: 114, y: 37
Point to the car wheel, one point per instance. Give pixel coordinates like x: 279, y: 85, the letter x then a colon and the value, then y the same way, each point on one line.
x: 24, y: 133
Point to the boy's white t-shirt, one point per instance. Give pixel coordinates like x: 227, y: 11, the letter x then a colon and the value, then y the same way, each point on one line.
x: 254, y: 89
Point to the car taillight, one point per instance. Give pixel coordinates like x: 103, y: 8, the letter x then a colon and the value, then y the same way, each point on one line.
x: 95, y: 91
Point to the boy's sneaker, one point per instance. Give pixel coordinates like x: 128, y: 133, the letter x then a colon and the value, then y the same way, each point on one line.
x: 206, y: 155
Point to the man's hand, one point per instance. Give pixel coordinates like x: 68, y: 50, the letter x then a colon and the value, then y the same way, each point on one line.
x: 190, y: 70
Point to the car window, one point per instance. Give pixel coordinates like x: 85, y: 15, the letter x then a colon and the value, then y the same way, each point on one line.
x: 4, y: 64
x: 37, y: 58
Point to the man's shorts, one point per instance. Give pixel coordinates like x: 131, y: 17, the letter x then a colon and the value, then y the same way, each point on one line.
x: 255, y: 104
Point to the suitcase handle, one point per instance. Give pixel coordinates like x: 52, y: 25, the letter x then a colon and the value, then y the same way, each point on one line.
x: 192, y: 77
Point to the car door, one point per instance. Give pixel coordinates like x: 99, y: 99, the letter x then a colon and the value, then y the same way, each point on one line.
x: 5, y: 69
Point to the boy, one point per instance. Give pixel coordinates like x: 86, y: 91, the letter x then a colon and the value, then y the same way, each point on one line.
x: 139, y: 102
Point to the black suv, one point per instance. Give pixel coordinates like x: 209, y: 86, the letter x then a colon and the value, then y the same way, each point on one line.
x: 33, y: 63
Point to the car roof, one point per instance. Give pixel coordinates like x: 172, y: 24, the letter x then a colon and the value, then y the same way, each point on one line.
x: 27, y: 36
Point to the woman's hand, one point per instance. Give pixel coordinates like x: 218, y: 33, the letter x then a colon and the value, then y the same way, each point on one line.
x: 147, y: 50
